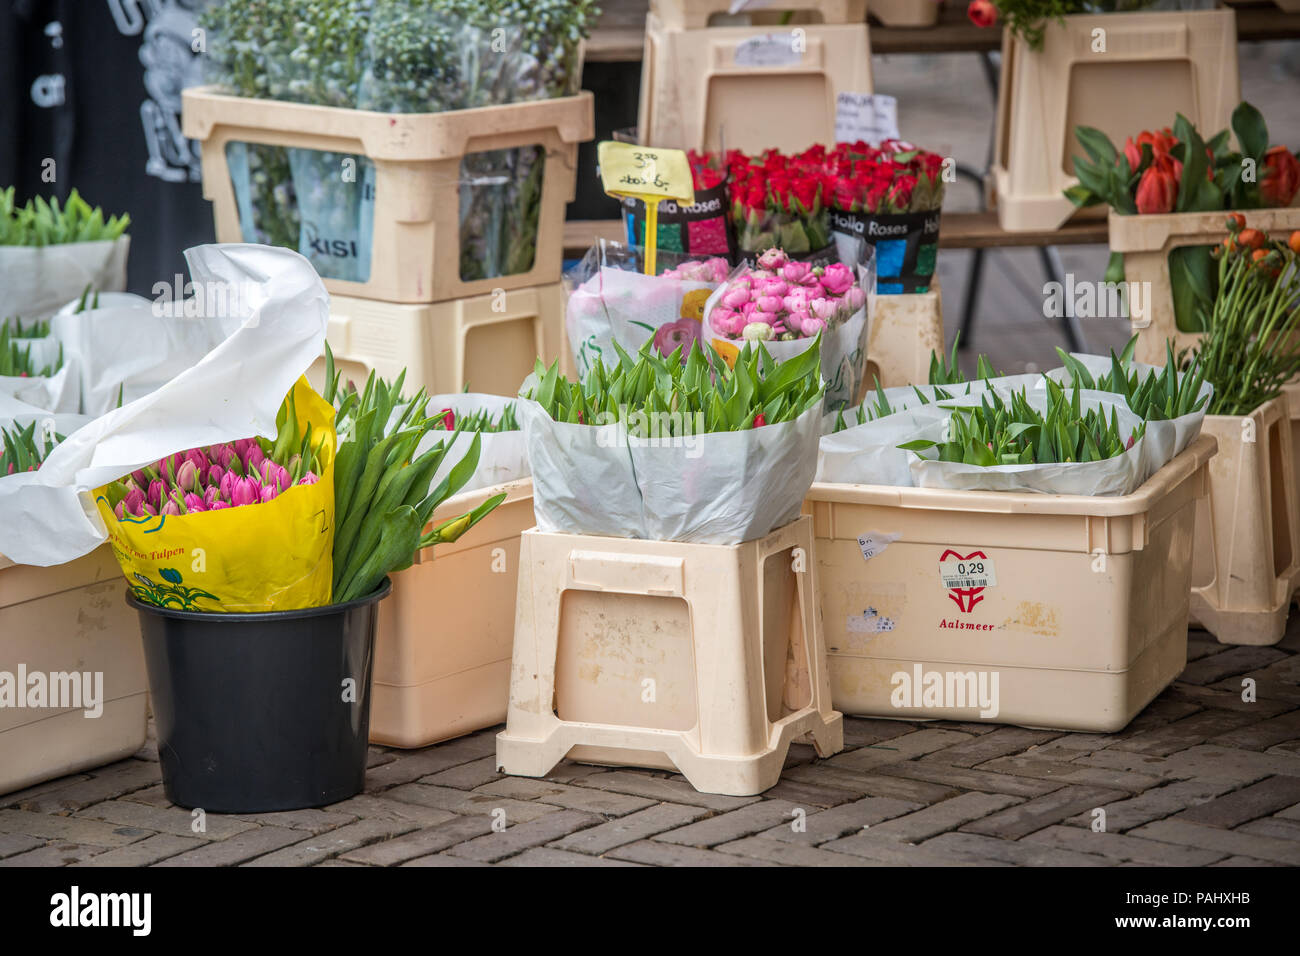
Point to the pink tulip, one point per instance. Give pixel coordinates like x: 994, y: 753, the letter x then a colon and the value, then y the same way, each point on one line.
x: 214, y: 476
x: 244, y: 492
x: 218, y: 505
x: 187, y: 476
x: 200, y: 462
x: 227, y: 484
x: 194, y: 503
x: 308, y: 479
x: 119, y: 511
x: 171, y: 508
x: 268, y: 493
x: 241, y: 447
x: 211, y: 496
x: 155, y: 492
x: 837, y: 279
x: 150, y: 510
x: 134, y: 502
x: 140, y: 478
x: 734, y: 297
x: 224, y: 455
x: 253, y: 460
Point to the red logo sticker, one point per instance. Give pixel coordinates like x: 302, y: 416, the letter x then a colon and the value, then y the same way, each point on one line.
x: 965, y: 598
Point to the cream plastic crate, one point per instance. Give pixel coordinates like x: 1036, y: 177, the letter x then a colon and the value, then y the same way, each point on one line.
x: 695, y: 14
x: 904, y: 330
x: 748, y: 87
x: 1155, y: 66
x: 442, y: 651
x: 1291, y: 395
x: 63, y: 619
x: 1247, y: 544
x: 488, y: 342
x: 1146, y: 242
x: 1083, y: 620
x: 415, y: 256
x: 905, y: 13
x: 707, y: 659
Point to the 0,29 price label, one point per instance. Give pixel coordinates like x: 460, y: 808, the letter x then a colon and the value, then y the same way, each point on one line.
x: 967, y: 573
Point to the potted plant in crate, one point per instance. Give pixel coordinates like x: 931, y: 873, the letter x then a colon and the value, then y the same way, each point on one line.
x: 260, y: 657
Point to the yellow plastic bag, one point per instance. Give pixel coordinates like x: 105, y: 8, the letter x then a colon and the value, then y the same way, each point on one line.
x: 276, y: 556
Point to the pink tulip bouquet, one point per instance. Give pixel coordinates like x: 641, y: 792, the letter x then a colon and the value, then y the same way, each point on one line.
x: 783, y: 299
x: 238, y: 473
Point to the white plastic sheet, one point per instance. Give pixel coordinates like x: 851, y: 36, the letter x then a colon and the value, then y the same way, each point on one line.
x: 503, y: 456
x: 35, y: 281
x: 231, y: 392
x: 714, y: 488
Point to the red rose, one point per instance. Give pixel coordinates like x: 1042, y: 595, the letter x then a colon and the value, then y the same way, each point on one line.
x: 982, y: 13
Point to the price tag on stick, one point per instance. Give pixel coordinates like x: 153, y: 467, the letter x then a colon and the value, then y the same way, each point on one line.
x: 647, y: 174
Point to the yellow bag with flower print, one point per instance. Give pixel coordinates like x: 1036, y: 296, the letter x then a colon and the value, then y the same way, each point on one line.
x: 275, y: 555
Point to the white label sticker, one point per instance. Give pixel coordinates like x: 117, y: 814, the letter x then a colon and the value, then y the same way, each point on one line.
x: 870, y: 117
x: 771, y: 49
x: 873, y: 542
x: 972, y: 572
x: 869, y: 621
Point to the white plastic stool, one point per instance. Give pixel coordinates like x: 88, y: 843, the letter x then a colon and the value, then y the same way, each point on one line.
x: 705, y: 658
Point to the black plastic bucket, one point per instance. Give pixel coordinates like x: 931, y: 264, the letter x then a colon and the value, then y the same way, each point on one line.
x: 261, y: 712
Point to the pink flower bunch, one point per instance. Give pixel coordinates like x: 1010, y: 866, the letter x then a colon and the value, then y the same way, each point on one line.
x: 209, y: 479
x: 783, y: 299
x: 713, y: 270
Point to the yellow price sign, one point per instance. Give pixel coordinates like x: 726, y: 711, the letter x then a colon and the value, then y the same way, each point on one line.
x: 648, y: 174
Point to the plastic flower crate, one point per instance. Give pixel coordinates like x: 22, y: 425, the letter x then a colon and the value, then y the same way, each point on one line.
x: 416, y: 253
x: 696, y: 14
x: 748, y: 87
x: 65, y: 619
x: 1146, y: 242
x: 904, y: 329
x: 486, y: 342
x: 704, y: 658
x: 1155, y: 65
x: 442, y: 652
x: 1078, y: 605
x: 905, y: 13
x: 1247, y: 534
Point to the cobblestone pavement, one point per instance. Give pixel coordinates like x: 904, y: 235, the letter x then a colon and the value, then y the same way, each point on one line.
x: 1200, y: 778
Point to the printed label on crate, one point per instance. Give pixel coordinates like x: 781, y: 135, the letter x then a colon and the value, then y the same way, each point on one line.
x: 771, y: 49
x: 966, y: 576
x: 873, y: 542
x: 869, y: 117
x: 869, y: 621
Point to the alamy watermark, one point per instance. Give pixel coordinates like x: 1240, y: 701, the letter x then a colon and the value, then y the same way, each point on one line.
x: 1087, y: 299
x: 201, y: 300
x: 950, y: 690
x: 56, y: 690
x: 651, y: 430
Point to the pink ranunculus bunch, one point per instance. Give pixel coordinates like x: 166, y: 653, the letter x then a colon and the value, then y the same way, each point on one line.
x: 784, y: 299
x: 209, y: 479
x: 713, y: 270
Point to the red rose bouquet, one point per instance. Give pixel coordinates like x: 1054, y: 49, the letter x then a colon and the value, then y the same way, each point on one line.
x: 779, y: 201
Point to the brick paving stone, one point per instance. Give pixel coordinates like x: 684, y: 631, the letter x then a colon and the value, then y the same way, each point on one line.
x: 174, y: 820
x: 918, y: 826
x: 337, y: 863
x: 1277, y: 828
x: 798, y: 755
x: 809, y: 794
x: 314, y: 820
x: 1236, y: 660
x: 1073, y: 772
x: 635, y: 826
x: 733, y: 825
x: 1122, y: 847
x: 1229, y: 841
x: 1250, y: 803
x: 975, y: 847
x: 144, y: 853
x: 423, y: 842
x: 885, y: 850
x: 975, y: 727
x: 19, y: 797
x: 1286, y: 670
x: 69, y: 829
x: 408, y: 766
x: 569, y: 772
x: 1290, y: 813
x: 968, y: 779
x: 154, y: 796
x: 864, y: 731
x: 604, y: 802
x: 239, y: 848
x: 1188, y: 732
x: 364, y: 805
x: 999, y: 743
x: 840, y: 821
x: 467, y: 801
x: 1288, y: 747
x: 1221, y: 699
x: 1025, y: 818
x: 905, y: 747
x: 322, y: 846
x: 668, y: 789
x: 791, y: 854
x: 874, y: 784
x: 441, y: 859
x: 1202, y: 644
x: 11, y: 843
x: 550, y: 856
x: 57, y: 854
x: 654, y: 853
x: 522, y: 836
x: 467, y: 776
x: 1245, y: 861
x: 1267, y: 689
x: 1263, y: 734
x: 105, y: 784
x: 1209, y: 761
x: 1157, y: 803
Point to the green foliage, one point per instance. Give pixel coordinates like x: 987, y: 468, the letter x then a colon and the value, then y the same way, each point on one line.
x: 22, y: 450
x: 41, y: 223
x: 16, y: 359
x: 1157, y: 397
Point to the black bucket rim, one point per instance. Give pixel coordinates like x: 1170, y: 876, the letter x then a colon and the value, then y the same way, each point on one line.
x: 253, y: 617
